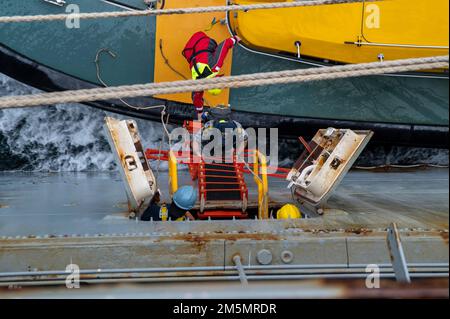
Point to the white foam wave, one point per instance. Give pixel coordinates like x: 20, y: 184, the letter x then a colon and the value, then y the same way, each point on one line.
x: 66, y: 137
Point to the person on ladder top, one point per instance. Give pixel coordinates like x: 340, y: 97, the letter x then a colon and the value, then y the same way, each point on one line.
x: 206, y: 58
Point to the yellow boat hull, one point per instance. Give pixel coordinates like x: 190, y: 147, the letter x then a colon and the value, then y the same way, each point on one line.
x: 348, y: 33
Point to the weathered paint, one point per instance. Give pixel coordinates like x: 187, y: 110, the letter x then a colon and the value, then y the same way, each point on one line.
x: 139, y: 181
x: 168, y: 249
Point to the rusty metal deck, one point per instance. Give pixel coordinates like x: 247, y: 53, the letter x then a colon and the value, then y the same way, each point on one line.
x: 81, y: 220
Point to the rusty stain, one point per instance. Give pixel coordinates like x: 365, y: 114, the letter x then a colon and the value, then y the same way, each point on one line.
x: 201, y: 239
x: 359, y: 231
x: 356, y: 230
x: 419, y: 288
x: 444, y: 236
x: 4, y: 206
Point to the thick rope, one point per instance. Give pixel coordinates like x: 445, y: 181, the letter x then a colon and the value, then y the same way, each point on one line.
x: 240, y: 81
x: 119, y: 14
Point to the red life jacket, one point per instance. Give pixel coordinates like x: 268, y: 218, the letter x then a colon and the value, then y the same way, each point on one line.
x: 198, y: 48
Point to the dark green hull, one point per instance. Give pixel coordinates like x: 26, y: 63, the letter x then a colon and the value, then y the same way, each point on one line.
x: 51, y: 57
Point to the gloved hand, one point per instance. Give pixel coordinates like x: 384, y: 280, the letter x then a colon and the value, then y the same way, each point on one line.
x: 205, y: 116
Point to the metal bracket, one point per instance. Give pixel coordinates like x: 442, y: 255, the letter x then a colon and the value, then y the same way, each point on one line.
x: 153, y: 4
x: 240, y: 269
x: 397, y: 255
x: 298, y: 44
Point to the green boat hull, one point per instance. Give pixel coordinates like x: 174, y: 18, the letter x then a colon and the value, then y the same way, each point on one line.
x: 379, y: 101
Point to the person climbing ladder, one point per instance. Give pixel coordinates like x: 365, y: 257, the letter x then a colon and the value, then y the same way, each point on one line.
x: 206, y: 58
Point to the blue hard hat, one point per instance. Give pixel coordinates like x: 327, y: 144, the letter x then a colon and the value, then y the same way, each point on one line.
x: 185, y: 197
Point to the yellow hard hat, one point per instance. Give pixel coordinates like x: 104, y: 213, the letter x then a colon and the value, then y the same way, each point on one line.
x: 215, y: 91
x: 289, y: 211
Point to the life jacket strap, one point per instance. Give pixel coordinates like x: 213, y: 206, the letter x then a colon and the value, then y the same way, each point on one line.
x: 200, y: 52
x: 206, y: 72
x: 164, y: 213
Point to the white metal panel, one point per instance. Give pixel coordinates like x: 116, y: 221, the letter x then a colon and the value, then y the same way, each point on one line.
x: 140, y: 183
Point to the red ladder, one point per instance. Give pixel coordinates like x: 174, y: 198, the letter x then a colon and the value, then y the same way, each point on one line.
x: 222, y: 185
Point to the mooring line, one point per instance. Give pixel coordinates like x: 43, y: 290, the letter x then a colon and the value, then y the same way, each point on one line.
x: 239, y: 81
x: 158, y: 12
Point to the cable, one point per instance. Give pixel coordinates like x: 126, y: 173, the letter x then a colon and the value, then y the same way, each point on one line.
x: 163, y: 111
x: 97, y: 66
x: 166, y: 61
